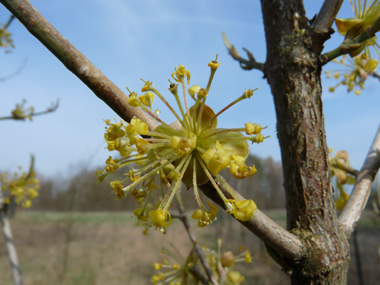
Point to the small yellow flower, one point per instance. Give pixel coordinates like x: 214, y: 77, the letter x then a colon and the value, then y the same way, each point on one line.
x: 205, y: 217
x: 117, y: 188
x: 242, y: 210
x: 33, y: 193
x: 26, y: 204
x: 114, y: 131
x: 247, y: 257
x: 141, y: 216
x: 216, y: 158
x: 147, y: 99
x: 365, y: 16
x: 132, y: 100
x: 342, y: 200
x: 160, y: 218
x: 132, y: 176
x: 194, y: 89
x: 234, y: 277
x: 180, y: 73
x: 251, y: 129
x: 214, y: 64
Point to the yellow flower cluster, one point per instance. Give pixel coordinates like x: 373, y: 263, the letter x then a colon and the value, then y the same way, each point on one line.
x: 5, y: 38
x: 338, y: 165
x: 221, y: 264
x: 358, y: 70
x: 365, y: 16
x: 22, y: 113
x: 192, y: 154
x: 21, y: 188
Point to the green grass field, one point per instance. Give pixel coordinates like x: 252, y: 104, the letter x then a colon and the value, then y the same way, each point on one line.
x: 108, y: 248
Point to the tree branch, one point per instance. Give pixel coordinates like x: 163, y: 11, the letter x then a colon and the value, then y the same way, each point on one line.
x: 244, y: 63
x: 326, y: 16
x: 347, y: 168
x: 9, y: 243
x: 359, y: 196
x: 75, y: 61
x: 282, y: 241
x: 349, y: 46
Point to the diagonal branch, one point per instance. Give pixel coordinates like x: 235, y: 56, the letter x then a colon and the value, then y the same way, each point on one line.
x: 75, y: 61
x: 285, y: 243
x: 244, y: 63
x: 326, y: 16
x: 359, y: 196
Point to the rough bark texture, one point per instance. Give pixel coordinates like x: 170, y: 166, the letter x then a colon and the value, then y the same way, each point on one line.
x: 294, y: 75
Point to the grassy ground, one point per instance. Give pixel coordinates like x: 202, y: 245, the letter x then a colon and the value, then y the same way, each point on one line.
x: 108, y: 248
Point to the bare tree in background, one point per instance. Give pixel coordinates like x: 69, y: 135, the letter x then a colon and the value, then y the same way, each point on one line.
x: 314, y: 248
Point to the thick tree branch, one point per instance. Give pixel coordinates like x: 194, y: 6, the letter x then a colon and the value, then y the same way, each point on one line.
x: 282, y: 241
x: 326, y: 16
x: 74, y: 61
x: 244, y: 63
x: 359, y: 196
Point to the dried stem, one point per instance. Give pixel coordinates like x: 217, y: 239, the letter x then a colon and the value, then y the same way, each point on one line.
x: 244, y: 63
x: 75, y: 61
x: 359, y: 196
x: 183, y: 218
x: 9, y: 244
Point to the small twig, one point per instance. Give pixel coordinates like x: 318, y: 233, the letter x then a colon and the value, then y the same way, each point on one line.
x: 347, y: 168
x: 359, y: 196
x: 18, y: 71
x: 183, y: 218
x: 326, y: 16
x: 11, y: 18
x: 347, y: 47
x: 375, y: 74
x: 51, y: 109
x: 244, y: 63
x: 195, y: 271
x: 9, y: 244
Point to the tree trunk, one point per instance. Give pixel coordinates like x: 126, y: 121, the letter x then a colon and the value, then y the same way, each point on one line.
x: 294, y: 75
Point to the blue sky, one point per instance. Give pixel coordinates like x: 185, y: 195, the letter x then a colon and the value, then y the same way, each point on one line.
x: 129, y: 40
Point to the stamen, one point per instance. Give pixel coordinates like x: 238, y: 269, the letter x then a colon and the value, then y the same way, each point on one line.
x: 155, y: 91
x: 242, y: 97
x: 170, y: 194
x: 200, y: 160
x: 129, y: 187
x: 195, y: 187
